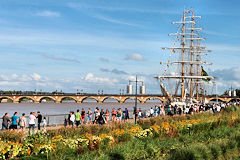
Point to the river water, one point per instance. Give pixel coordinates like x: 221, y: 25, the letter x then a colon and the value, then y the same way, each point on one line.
x: 50, y: 108
x: 66, y: 107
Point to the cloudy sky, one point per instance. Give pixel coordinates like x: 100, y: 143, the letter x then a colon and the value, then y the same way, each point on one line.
x: 101, y: 44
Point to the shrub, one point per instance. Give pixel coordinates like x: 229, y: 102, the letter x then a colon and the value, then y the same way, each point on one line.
x: 231, y: 109
x: 182, y: 154
x: 215, y: 151
x: 211, y: 137
x: 124, y: 137
x: 12, y: 135
x: 144, y: 123
x: 62, y: 152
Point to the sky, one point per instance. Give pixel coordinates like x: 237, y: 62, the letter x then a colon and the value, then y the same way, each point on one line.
x: 93, y: 45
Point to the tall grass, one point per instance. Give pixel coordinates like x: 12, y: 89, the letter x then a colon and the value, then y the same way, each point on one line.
x: 215, y: 136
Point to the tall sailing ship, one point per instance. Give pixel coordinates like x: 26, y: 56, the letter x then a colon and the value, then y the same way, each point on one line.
x: 184, y: 78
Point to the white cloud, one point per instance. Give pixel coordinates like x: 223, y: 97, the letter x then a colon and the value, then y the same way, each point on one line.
x: 60, y: 58
x: 215, y: 33
x: 48, y: 14
x: 37, y: 40
x: 226, y: 78
x: 3, y: 77
x: 36, y: 76
x: 134, y: 57
x: 90, y: 83
x: 14, y: 76
x: 7, y: 83
x: 122, y: 9
x: 47, y: 84
x: 24, y: 78
x: 236, y: 84
x: 91, y: 78
x: 173, y: 73
x: 224, y: 47
x: 131, y: 78
x: 221, y: 84
x: 112, y: 20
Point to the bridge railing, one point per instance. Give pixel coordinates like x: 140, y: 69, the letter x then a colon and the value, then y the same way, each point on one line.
x: 74, y: 94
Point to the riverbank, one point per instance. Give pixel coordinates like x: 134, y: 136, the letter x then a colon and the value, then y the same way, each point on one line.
x: 199, y: 136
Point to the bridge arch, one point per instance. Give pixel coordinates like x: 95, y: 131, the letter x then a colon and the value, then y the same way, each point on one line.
x: 68, y: 98
x: 155, y: 98
x: 132, y: 99
x: 109, y: 98
x: 234, y: 100
x: 19, y: 99
x: 89, y: 98
x: 214, y: 99
x: 45, y: 97
x: 6, y: 97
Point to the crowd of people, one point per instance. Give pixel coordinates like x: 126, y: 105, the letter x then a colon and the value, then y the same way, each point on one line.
x: 102, y: 117
x: 171, y: 110
x: 21, y: 121
x: 96, y: 116
x: 118, y: 116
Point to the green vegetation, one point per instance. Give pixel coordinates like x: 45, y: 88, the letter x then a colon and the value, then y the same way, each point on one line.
x: 199, y: 136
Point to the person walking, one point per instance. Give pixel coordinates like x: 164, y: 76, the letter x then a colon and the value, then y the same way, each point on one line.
x: 119, y: 115
x: 163, y: 110
x: 140, y: 114
x: 156, y: 111
x: 39, y: 117
x: 14, y: 121
x: 44, y: 124
x: 101, y: 118
x: 97, y: 114
x: 78, y: 118
x: 32, y: 119
x: 114, y: 114
x: 89, y: 116
x: 72, y: 118
x: 123, y: 116
x: 126, y: 114
x: 107, y: 114
x: 68, y: 119
x: 23, y: 122
x: 83, y: 115
x: 5, y: 121
x: 151, y: 112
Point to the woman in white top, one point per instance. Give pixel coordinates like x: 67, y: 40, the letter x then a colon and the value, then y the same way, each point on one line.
x: 72, y: 118
x: 32, y: 119
x: 44, y: 124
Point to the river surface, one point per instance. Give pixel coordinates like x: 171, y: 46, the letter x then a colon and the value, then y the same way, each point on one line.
x: 50, y: 108
x: 56, y: 113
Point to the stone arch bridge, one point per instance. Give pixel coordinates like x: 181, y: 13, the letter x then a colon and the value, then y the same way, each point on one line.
x: 98, y: 98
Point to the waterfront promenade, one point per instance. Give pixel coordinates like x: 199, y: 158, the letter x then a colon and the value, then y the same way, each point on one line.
x: 56, y: 120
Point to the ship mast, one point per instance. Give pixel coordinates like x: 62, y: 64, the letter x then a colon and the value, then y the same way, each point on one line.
x: 190, y: 52
x: 183, y: 50
x: 191, y: 73
x: 198, y: 72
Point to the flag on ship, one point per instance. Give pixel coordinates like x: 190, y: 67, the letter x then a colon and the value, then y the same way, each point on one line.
x: 204, y: 73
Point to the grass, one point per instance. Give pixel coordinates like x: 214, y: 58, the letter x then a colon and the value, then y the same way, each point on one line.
x: 215, y: 137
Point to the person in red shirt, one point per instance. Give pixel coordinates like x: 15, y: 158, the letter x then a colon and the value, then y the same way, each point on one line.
x: 83, y: 115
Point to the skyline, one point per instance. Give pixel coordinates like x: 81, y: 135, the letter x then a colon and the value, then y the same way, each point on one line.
x: 91, y: 45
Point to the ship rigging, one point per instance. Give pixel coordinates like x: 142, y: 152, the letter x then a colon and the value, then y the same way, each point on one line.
x: 189, y: 72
